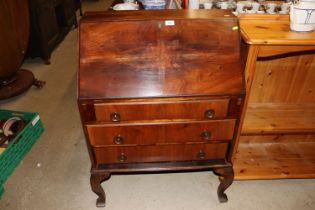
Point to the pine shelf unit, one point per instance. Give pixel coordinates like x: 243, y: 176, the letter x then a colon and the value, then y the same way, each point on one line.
x: 275, y: 118
x: 278, y: 133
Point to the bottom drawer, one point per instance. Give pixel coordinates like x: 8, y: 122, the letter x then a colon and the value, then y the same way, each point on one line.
x: 157, y: 153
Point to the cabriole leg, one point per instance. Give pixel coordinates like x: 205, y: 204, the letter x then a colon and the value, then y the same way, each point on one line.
x: 226, y: 177
x: 96, y: 180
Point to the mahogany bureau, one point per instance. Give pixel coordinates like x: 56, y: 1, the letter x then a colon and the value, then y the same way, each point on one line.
x: 160, y: 91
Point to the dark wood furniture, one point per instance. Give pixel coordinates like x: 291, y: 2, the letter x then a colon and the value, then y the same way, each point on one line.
x: 278, y: 135
x: 51, y: 20
x: 14, y: 23
x: 78, y: 6
x: 160, y: 91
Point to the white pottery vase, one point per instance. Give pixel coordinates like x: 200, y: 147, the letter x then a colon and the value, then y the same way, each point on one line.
x: 302, y: 15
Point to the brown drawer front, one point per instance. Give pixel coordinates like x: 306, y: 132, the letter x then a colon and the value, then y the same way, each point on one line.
x: 134, y: 154
x: 197, y: 110
x: 143, y: 134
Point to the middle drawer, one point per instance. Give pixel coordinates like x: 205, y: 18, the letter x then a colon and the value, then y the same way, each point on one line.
x: 162, y: 132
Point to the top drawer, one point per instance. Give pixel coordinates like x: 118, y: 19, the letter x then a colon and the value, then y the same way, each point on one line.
x: 196, y: 110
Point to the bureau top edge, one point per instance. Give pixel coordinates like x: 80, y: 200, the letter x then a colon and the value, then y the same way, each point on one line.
x: 141, y: 15
x: 241, y: 94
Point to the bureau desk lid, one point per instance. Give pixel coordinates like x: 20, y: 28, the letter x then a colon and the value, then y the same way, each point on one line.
x: 164, y: 53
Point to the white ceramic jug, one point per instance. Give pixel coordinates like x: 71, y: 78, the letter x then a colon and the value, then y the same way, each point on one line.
x: 302, y: 15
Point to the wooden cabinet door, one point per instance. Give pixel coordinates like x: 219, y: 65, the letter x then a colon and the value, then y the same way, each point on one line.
x: 69, y: 11
x: 47, y: 21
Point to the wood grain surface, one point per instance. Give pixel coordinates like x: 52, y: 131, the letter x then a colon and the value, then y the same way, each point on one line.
x: 145, y: 15
x: 263, y: 118
x: 162, y: 132
x: 14, y: 23
x: 277, y: 139
x: 155, y: 153
x: 190, y: 110
x: 272, y: 30
x: 166, y: 60
x: 147, y: 81
x: 275, y: 157
x: 288, y: 79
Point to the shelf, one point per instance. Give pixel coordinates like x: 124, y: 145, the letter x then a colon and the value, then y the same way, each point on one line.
x: 275, y: 157
x: 268, y: 29
x: 272, y: 118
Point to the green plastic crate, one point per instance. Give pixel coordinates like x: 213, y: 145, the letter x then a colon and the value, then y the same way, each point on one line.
x: 20, y: 145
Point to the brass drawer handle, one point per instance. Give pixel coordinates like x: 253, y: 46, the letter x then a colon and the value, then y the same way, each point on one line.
x: 122, y: 157
x: 115, y: 117
x: 201, y: 154
x: 118, y: 139
x: 206, y: 135
x: 209, y: 114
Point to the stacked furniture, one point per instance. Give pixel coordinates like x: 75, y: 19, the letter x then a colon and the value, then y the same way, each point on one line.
x: 51, y: 20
